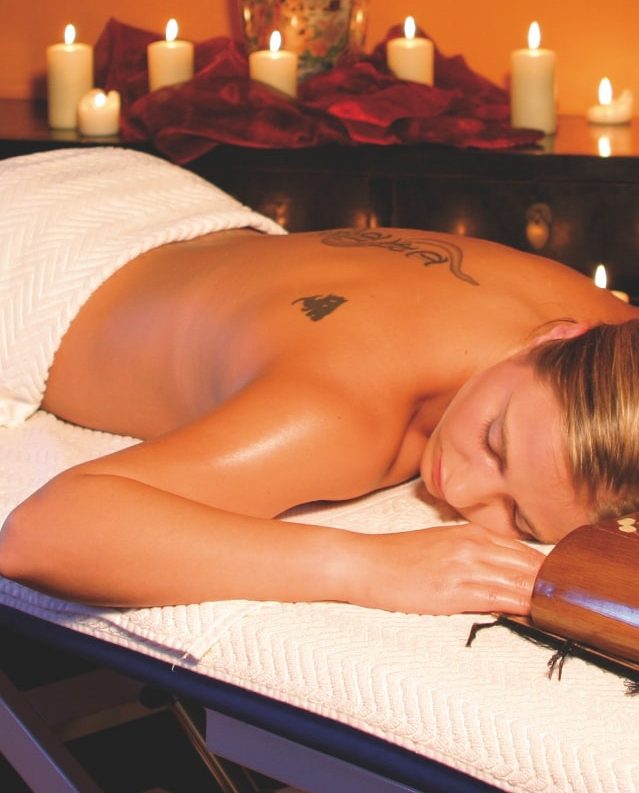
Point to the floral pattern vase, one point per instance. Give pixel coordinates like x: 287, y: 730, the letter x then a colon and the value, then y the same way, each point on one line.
x: 319, y: 31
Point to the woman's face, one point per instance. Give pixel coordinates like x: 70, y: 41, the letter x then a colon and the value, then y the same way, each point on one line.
x: 497, y: 456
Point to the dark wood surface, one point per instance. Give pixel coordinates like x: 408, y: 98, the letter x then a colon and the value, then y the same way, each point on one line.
x: 587, y: 187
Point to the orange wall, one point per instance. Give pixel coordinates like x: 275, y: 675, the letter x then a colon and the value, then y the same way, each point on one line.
x: 592, y: 40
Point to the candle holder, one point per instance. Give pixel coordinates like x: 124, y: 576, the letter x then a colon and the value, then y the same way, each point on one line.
x: 319, y: 33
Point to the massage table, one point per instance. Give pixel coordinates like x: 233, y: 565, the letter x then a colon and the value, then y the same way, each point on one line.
x: 325, y: 696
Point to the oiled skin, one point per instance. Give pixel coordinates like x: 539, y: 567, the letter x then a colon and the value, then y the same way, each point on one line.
x: 265, y: 372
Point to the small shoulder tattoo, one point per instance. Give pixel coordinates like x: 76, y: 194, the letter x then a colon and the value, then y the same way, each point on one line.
x: 427, y: 250
x: 317, y: 307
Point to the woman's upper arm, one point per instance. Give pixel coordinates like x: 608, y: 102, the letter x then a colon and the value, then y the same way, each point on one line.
x: 275, y: 444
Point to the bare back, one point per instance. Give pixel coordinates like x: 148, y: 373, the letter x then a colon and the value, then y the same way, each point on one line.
x: 392, y: 321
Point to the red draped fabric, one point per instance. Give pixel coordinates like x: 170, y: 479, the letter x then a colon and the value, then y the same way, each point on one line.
x: 356, y: 102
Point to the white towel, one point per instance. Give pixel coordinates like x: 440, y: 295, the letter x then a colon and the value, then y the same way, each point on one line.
x: 68, y: 220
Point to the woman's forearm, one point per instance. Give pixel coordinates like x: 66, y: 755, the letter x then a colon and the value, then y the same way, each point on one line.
x: 113, y: 540
x: 110, y: 540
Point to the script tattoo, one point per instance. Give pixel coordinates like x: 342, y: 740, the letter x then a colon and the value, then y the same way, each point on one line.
x: 316, y: 307
x: 428, y: 251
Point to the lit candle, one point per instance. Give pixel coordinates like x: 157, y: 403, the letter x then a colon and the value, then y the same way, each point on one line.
x: 275, y: 67
x: 169, y: 61
x: 532, y: 85
x: 609, y: 110
x: 69, y: 77
x: 411, y: 58
x: 601, y: 280
x: 99, y: 113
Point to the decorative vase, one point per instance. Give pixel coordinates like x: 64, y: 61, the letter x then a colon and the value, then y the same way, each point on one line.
x: 319, y: 31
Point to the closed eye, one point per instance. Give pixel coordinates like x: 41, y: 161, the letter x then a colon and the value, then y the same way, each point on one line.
x: 494, y: 441
x: 523, y: 526
x: 516, y: 524
x: 488, y: 443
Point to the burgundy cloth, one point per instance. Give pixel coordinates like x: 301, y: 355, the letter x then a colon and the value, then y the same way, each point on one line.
x: 358, y: 101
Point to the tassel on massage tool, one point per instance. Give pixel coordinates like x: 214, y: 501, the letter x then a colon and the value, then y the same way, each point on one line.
x: 585, y: 600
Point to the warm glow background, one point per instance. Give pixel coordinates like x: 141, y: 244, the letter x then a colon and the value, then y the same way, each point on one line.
x: 592, y: 40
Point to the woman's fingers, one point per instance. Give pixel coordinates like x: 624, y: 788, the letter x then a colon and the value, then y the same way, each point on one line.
x: 451, y: 569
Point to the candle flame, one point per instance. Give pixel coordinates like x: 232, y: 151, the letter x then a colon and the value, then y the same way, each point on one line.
x: 171, y: 30
x: 601, y: 278
x: 409, y: 28
x: 534, y: 36
x: 99, y: 99
x: 69, y: 34
x: 275, y: 42
x: 605, y: 92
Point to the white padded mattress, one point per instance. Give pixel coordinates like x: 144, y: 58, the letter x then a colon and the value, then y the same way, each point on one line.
x: 488, y: 710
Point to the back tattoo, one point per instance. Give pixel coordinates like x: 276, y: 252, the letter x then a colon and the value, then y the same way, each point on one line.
x: 426, y: 250
x: 316, y: 307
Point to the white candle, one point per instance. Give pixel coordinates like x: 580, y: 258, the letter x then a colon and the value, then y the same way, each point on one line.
x: 601, y: 280
x: 169, y: 61
x: 609, y: 110
x: 275, y: 67
x: 532, y: 85
x: 69, y: 77
x: 99, y: 113
x: 411, y: 58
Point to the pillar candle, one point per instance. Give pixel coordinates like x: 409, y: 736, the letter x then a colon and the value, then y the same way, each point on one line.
x: 169, y: 61
x: 99, y: 113
x: 532, y: 87
x: 275, y: 67
x: 69, y: 77
x: 411, y: 58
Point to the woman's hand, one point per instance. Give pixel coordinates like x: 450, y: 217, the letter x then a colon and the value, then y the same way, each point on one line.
x: 445, y: 570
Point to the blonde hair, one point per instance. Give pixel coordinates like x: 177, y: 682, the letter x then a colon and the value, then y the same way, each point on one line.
x: 595, y: 376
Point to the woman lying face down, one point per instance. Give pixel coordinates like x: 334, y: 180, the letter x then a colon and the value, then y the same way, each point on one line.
x: 528, y: 448
x: 263, y: 372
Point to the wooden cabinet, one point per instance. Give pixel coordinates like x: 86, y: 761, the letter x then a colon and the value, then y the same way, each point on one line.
x: 574, y: 198
x: 578, y: 222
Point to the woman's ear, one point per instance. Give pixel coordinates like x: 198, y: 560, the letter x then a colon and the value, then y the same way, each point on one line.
x: 563, y: 329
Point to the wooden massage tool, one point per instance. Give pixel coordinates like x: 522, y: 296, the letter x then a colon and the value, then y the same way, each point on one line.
x: 586, y: 596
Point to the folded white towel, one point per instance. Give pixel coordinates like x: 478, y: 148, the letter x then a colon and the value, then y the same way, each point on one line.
x: 68, y: 220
